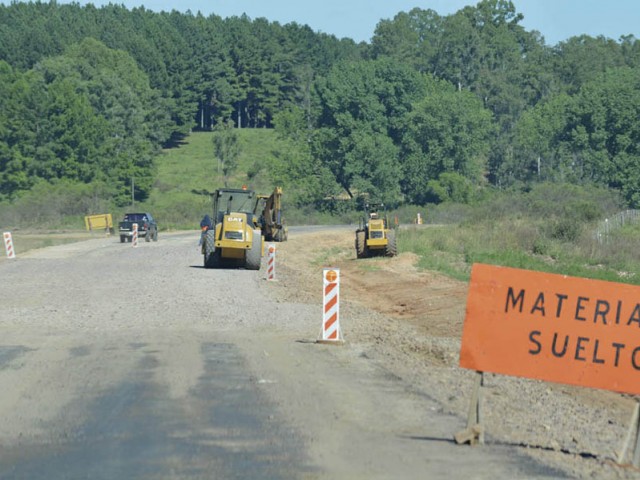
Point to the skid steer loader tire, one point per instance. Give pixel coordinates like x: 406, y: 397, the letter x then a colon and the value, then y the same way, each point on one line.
x: 211, y: 256
x: 361, y: 246
x: 254, y: 254
x: 391, y: 250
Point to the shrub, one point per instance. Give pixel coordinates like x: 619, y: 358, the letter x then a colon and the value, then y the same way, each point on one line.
x: 50, y: 205
x: 540, y: 246
x: 449, y: 187
x: 565, y: 229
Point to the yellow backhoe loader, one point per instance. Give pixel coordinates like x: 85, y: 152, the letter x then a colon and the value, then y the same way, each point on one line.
x: 269, y: 208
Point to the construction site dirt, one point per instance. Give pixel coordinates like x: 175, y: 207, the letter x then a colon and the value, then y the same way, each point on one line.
x: 410, y: 321
x: 217, y: 373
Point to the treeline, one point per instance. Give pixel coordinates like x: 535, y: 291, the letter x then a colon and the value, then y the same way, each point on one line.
x: 91, y: 94
x: 435, y: 108
x: 443, y: 106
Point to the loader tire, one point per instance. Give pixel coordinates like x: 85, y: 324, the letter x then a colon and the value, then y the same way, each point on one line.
x: 211, y: 255
x: 147, y: 236
x: 391, y: 249
x: 253, y: 256
x: 361, y: 246
x: 122, y: 238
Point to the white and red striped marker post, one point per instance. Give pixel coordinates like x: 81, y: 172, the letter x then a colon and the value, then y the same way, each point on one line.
x: 271, y: 262
x: 331, y: 306
x: 134, y: 238
x: 8, y: 245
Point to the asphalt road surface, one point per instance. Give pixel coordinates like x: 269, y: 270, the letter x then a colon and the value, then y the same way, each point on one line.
x: 119, y: 362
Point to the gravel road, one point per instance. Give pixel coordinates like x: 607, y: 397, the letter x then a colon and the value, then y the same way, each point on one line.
x: 122, y: 362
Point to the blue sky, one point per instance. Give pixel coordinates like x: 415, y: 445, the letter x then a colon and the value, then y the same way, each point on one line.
x: 557, y: 20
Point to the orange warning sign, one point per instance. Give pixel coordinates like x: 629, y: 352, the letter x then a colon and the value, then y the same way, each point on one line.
x: 553, y: 327
x: 331, y: 276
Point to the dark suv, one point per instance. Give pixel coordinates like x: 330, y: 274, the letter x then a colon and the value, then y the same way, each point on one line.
x: 147, y: 227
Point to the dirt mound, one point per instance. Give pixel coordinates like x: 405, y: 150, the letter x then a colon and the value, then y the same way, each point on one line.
x: 395, y: 287
x: 432, y: 303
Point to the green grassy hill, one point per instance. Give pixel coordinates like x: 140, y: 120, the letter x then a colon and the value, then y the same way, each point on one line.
x: 192, y: 168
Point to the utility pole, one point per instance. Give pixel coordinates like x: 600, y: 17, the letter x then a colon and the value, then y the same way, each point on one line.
x: 132, y: 193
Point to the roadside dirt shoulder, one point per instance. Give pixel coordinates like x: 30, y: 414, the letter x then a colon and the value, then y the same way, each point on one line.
x: 410, y: 322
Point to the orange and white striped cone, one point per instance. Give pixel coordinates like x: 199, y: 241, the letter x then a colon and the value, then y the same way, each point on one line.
x: 271, y: 262
x: 331, y: 307
x: 8, y: 245
x: 134, y: 238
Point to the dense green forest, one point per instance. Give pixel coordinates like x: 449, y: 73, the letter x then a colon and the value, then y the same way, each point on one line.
x: 433, y: 109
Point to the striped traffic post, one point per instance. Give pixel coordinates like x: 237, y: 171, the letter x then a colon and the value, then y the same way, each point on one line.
x: 134, y: 238
x: 271, y: 262
x: 331, y: 307
x: 8, y: 245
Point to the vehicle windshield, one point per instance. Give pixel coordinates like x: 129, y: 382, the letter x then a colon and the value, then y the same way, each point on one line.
x: 135, y: 217
x: 237, y: 201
